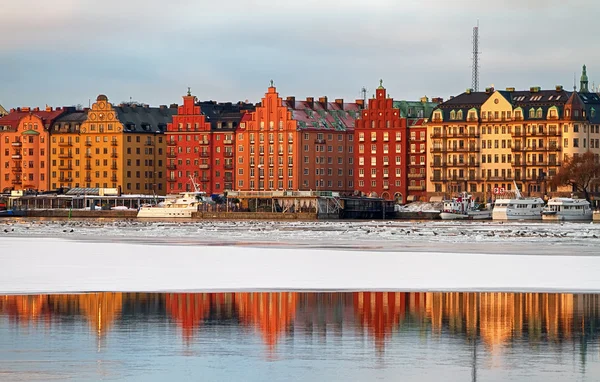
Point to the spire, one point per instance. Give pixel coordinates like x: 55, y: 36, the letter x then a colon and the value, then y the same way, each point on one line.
x: 583, y: 87
x: 272, y: 83
x: 189, y: 93
x: 380, y: 85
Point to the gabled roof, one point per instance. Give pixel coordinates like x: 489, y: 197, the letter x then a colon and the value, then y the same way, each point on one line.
x: 3, y: 111
x: 144, y: 119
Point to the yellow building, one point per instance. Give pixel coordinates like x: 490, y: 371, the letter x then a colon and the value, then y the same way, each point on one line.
x: 482, y: 142
x: 111, y: 146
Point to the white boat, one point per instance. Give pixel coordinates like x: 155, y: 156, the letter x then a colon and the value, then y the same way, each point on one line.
x: 464, y: 207
x: 560, y: 209
x: 179, y: 206
x: 518, y: 208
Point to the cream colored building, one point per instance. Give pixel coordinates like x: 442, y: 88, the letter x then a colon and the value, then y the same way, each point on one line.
x: 482, y: 142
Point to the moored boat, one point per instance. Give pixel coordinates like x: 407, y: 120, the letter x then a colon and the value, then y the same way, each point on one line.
x: 567, y: 209
x: 518, y: 208
x: 464, y: 207
x: 179, y: 206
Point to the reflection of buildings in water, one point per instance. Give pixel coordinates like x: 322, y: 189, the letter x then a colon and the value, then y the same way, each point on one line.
x: 25, y: 309
x: 188, y: 310
x: 319, y: 313
x: 270, y: 313
x: 498, y: 317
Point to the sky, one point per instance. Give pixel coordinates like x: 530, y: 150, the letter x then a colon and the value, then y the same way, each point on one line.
x: 66, y: 52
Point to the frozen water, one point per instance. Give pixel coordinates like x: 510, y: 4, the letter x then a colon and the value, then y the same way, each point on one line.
x: 83, y: 255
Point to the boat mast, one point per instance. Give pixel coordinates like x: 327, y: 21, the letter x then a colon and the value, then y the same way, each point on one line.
x: 194, y: 184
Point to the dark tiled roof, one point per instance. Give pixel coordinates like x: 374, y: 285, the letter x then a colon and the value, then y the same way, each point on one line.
x: 468, y: 100
x: 69, y: 121
x: 592, y: 106
x: 143, y: 119
x: 225, y: 116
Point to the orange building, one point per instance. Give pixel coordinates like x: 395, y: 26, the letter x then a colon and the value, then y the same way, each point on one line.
x: 24, y: 149
x: 111, y: 146
x: 297, y: 145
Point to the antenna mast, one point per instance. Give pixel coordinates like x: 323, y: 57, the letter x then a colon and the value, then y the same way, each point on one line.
x: 475, y: 74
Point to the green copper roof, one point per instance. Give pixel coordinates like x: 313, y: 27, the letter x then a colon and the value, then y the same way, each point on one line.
x: 30, y: 132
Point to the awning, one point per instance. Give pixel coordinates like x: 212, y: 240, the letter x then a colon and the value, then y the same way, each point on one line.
x: 435, y: 199
x: 411, y: 198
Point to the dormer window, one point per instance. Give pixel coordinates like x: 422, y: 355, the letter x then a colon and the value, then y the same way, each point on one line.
x: 531, y: 113
x: 459, y: 115
x: 539, y: 113
x: 567, y: 113
x: 452, y: 115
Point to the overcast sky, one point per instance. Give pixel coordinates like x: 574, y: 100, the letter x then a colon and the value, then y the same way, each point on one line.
x: 65, y: 52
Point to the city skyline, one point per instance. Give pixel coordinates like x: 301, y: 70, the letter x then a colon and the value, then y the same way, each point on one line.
x: 69, y: 51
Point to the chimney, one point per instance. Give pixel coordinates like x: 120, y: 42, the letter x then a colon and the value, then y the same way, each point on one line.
x: 424, y: 99
x: 13, y: 110
x: 36, y: 109
x: 311, y: 102
x: 510, y: 90
x: 437, y: 100
x: 48, y: 108
x: 173, y: 106
x: 559, y: 88
x: 469, y: 91
x: 25, y: 109
x: 360, y: 103
x: 162, y: 107
x: 340, y: 103
x: 323, y: 101
x: 291, y: 102
x: 489, y: 90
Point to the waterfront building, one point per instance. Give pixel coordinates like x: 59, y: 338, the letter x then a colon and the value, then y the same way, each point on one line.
x: 381, y: 150
x: 480, y: 142
x: 120, y: 147
x: 187, y: 147
x: 24, y: 148
x: 417, y: 113
x: 297, y: 145
x: 201, y: 143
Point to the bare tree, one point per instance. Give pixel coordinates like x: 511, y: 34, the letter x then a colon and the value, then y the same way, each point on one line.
x: 578, y: 171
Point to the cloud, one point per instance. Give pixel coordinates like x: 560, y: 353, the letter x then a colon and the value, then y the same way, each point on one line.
x: 61, y: 51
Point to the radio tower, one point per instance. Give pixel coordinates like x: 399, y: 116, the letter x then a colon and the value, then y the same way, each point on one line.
x: 475, y: 84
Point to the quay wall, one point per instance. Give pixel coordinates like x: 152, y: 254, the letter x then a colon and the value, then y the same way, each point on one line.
x: 63, y: 213
x: 254, y: 216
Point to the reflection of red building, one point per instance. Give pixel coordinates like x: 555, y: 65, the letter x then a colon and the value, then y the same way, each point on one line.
x: 381, y: 149
x: 271, y: 313
x: 380, y: 313
x: 189, y: 310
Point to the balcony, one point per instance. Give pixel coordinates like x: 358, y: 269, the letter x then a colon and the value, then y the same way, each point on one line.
x: 67, y: 167
x: 386, y: 187
x: 228, y: 167
x: 319, y: 141
x: 17, y: 169
x: 88, y: 178
x: 203, y: 155
x: 436, y: 150
x: 554, y: 133
x: 517, y: 149
x: 65, y: 179
x: 438, y: 135
x: 16, y: 156
x: 204, y: 142
x: 88, y: 167
x: 113, y: 155
x: 113, y: 167
x: 290, y: 140
x: 204, y: 179
x: 438, y: 164
x: 519, y: 133
x: 16, y: 181
x: 17, y: 144
x: 416, y: 176
x: 65, y: 155
x: 148, y: 143
x: 171, y: 143
x: 228, y: 154
x: 113, y: 179
x: 114, y: 143
x: 88, y: 155
x: 386, y: 176
x: 553, y: 148
x: 228, y: 142
x: 171, y: 167
x: 472, y: 134
x: 386, y: 163
x: 361, y: 139
x: 88, y: 143
x: 64, y: 144
x: 416, y: 188
x: 171, y: 155
x: 205, y: 166
x: 171, y: 180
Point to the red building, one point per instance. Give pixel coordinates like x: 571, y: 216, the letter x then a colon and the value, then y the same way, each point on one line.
x: 185, y: 136
x: 201, y: 143
x: 381, y: 148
